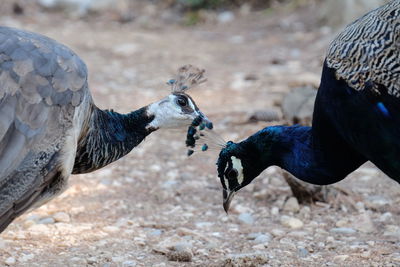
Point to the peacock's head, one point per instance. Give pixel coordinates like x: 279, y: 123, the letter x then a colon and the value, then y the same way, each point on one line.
x: 234, y: 170
x: 178, y: 109
x: 237, y: 166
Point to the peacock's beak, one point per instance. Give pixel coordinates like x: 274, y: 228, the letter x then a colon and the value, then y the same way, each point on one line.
x: 227, y: 196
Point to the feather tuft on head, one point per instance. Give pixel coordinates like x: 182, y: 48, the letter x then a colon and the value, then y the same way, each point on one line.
x: 188, y: 77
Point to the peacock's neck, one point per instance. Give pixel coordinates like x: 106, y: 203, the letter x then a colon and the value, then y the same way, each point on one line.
x: 308, y: 156
x: 108, y: 136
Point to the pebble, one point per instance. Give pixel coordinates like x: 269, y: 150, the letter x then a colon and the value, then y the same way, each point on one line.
x: 246, y: 218
x: 156, y: 232
x: 278, y: 232
x: 305, y: 212
x: 263, y: 238
x: 363, y: 223
x: 343, y: 231
x: 291, y: 222
x: 110, y: 229
x: 303, y: 252
x: 246, y: 259
x: 274, y: 211
x: 129, y: 263
x: 10, y: 261
x: 61, y: 217
x: 26, y: 257
x: 225, y: 17
x: 340, y: 257
x: 117, y: 259
x: 385, y: 217
x: 91, y: 260
x: 47, y: 220
x: 126, y: 49
x: 291, y: 205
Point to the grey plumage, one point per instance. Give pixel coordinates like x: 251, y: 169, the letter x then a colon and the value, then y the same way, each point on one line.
x: 50, y: 127
x: 366, y: 53
x: 41, y: 85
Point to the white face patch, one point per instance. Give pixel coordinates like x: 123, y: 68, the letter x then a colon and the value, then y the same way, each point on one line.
x: 168, y: 114
x: 237, y: 164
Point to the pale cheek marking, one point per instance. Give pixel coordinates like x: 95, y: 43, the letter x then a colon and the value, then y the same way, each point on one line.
x: 237, y: 164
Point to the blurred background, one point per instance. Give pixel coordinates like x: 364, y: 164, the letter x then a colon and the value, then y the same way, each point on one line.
x: 156, y: 206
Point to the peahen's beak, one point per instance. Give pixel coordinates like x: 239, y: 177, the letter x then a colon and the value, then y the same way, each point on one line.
x: 227, y: 196
x: 206, y: 121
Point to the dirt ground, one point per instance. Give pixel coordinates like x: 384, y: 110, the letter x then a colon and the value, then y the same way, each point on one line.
x: 156, y: 206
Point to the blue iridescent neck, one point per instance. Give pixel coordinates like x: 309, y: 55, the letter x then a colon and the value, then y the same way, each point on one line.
x: 300, y: 151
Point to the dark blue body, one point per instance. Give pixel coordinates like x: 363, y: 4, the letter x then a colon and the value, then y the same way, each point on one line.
x: 368, y: 120
x: 349, y: 128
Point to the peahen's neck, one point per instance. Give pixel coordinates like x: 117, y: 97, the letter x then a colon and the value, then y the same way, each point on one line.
x: 302, y: 152
x: 108, y: 136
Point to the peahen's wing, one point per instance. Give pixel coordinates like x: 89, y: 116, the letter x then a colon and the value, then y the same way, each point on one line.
x: 41, y: 85
x: 367, y: 52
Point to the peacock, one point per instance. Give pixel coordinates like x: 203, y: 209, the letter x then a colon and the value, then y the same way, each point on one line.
x: 50, y: 127
x: 356, y: 115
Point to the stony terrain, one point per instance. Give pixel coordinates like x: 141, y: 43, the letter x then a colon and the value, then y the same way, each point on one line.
x: 156, y: 207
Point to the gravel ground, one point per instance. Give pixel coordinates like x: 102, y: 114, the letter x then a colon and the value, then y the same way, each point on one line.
x: 156, y: 207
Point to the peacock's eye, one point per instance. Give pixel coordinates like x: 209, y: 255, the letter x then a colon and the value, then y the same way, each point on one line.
x: 232, y: 174
x: 182, y: 101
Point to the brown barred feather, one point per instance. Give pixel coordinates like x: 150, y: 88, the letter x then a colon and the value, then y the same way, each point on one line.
x: 367, y: 51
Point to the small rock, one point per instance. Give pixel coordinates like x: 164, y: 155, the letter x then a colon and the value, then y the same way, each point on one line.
x: 204, y: 224
x: 305, y: 212
x: 10, y: 261
x: 303, y: 252
x: 29, y: 223
x: 278, y: 232
x: 26, y: 257
x: 183, y: 256
x: 47, y: 220
x: 330, y: 239
x: 156, y: 232
x: 127, y: 49
x: 363, y: 223
x: 366, y: 254
x: 274, y: 211
x: 110, y: 229
x: 61, y: 217
x: 92, y: 260
x: 226, y: 16
x: 291, y: 222
x: 246, y: 218
x: 263, y: 238
x: 291, y: 205
x: 343, y: 231
x: 129, y: 263
x: 342, y: 223
x: 385, y: 217
x: 39, y: 229
x: 246, y: 259
x: 183, y: 246
x: 340, y: 257
x: 378, y: 201
x: 260, y: 246
x: 117, y: 259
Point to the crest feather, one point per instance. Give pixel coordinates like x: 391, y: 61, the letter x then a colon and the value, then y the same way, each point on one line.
x: 188, y: 77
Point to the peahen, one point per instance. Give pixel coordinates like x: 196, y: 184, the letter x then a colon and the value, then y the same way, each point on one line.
x: 50, y: 127
x: 356, y: 114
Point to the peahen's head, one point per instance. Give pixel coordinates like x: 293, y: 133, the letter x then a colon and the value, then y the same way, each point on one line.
x: 178, y: 109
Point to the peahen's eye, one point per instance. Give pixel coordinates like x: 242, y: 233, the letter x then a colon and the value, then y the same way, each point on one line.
x: 182, y: 101
x: 232, y: 174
